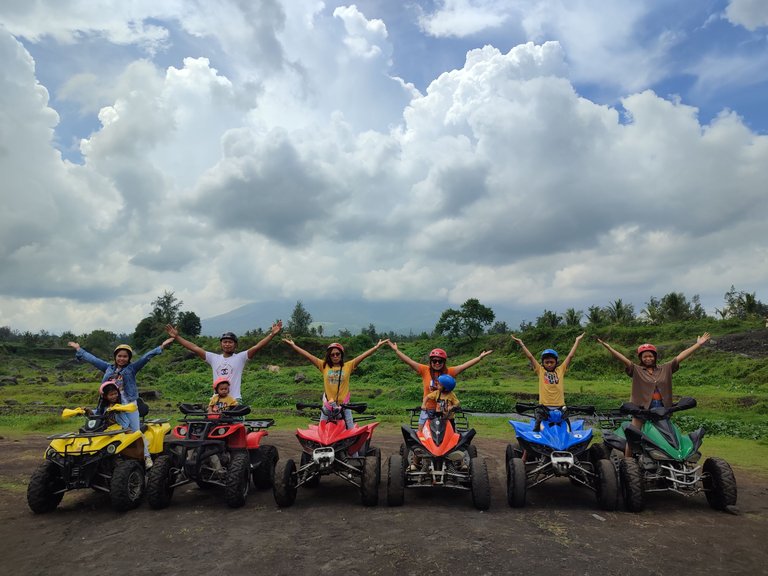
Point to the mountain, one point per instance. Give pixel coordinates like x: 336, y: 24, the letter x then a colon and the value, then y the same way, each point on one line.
x: 401, y: 317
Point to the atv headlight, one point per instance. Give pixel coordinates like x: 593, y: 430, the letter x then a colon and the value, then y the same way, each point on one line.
x: 220, y: 431
x: 112, y: 448
x: 346, y: 443
x: 308, y: 445
x: 50, y: 453
x: 693, y: 458
x: 658, y: 454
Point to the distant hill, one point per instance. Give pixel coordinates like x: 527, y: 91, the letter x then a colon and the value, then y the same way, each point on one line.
x: 402, y: 317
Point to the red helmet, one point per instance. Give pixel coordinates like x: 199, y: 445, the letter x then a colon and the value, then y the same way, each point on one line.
x: 646, y: 348
x: 438, y: 353
x: 336, y: 345
x: 219, y: 380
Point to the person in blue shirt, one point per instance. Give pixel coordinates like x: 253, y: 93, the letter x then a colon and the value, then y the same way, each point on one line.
x: 123, y: 372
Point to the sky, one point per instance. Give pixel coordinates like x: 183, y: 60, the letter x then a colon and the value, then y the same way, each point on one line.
x: 543, y: 154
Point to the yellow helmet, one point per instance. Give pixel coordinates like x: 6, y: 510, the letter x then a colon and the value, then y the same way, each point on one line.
x: 123, y: 347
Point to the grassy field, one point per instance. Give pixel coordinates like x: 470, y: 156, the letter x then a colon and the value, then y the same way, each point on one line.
x: 731, y: 387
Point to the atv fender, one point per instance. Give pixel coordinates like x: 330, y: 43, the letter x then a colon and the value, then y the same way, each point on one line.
x: 466, y: 438
x: 253, y: 439
x: 409, y: 434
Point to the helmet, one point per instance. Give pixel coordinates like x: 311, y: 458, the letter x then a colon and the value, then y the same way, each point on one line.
x: 228, y: 336
x: 646, y: 348
x: 123, y: 347
x: 106, y: 384
x: 549, y: 352
x: 438, y: 353
x: 448, y: 382
x: 336, y: 345
x: 219, y: 380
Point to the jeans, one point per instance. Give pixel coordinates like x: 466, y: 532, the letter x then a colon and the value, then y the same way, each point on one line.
x: 348, y: 420
x: 134, y: 423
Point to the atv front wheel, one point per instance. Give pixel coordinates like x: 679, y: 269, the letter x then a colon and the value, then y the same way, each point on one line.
x: 607, y: 485
x: 264, y: 471
x: 369, y: 481
x: 285, y: 486
x: 46, y: 488
x: 516, y: 482
x: 126, y: 489
x: 395, y: 480
x: 513, y: 451
x: 481, y: 487
x: 632, y: 485
x: 719, y: 483
x: 238, y: 480
x: 159, y: 483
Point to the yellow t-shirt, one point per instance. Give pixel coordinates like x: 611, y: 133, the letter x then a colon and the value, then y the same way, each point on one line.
x: 440, y: 401
x: 551, y: 385
x: 219, y: 403
x: 335, y: 381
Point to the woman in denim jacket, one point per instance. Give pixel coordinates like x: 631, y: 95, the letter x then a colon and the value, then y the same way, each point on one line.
x: 123, y: 373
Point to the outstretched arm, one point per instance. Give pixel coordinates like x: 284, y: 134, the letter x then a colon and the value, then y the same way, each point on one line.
x: 276, y: 327
x: 616, y: 354
x: 461, y: 367
x: 410, y: 361
x: 568, y: 358
x: 311, y: 357
x: 368, y: 352
x: 173, y: 333
x: 688, y: 351
x: 527, y: 352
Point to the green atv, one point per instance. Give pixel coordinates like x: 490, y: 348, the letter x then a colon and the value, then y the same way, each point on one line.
x: 666, y: 460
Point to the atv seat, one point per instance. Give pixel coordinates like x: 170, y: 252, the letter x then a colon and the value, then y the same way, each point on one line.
x: 143, y: 407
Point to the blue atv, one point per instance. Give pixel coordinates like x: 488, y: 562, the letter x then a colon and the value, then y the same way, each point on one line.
x: 550, y: 445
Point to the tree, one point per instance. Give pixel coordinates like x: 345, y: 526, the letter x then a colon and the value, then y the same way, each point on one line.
x: 596, y: 316
x: 165, y: 308
x: 100, y: 342
x: 572, y: 317
x: 189, y: 324
x: 469, y: 321
x: 742, y: 305
x: 673, y: 307
x: 300, y: 320
x: 620, y: 313
x: 370, y: 332
x: 499, y: 327
x: 146, y: 331
x: 548, y: 319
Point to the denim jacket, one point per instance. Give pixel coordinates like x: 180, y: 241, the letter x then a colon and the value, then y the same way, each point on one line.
x: 129, y: 392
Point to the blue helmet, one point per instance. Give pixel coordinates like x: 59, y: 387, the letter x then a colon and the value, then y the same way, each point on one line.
x: 549, y: 352
x: 448, y: 382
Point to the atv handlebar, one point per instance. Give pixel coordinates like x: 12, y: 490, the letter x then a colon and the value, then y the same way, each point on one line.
x: 525, y: 408
x: 358, y: 407
x: 237, y: 411
x: 660, y: 413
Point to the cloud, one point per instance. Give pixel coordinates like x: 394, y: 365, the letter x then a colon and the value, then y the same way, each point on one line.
x: 323, y: 174
x: 752, y: 14
x: 464, y: 17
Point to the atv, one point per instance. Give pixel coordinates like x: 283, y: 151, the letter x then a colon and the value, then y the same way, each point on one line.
x: 557, y: 447
x: 330, y: 448
x: 220, y: 449
x: 102, y: 455
x: 666, y: 460
x: 439, y: 454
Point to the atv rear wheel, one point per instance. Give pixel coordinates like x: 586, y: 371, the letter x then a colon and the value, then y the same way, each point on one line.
x: 159, y: 483
x: 126, y: 489
x: 607, y: 485
x: 314, y: 481
x: 238, y: 480
x: 285, y: 486
x: 369, y: 481
x: 481, y: 487
x: 46, y: 488
x: 598, y: 452
x: 264, y: 471
x: 632, y: 485
x: 376, y: 453
x: 719, y: 483
x: 395, y: 480
x: 516, y: 482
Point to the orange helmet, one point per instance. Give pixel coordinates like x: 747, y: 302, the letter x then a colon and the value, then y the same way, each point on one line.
x: 336, y: 345
x: 219, y: 380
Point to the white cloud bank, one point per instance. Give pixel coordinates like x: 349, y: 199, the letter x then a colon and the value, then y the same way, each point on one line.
x: 323, y: 175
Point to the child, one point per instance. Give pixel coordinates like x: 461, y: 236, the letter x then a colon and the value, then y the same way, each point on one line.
x: 441, y: 401
x: 221, y: 400
x: 551, y: 376
x: 109, y: 395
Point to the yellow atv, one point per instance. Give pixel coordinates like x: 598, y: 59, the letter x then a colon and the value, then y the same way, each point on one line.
x: 102, y: 455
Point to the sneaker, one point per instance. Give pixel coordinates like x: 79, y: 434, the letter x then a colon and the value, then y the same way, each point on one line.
x: 148, y: 462
x: 413, y: 468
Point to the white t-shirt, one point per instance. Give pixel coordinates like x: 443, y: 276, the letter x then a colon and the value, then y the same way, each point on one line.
x: 231, y: 368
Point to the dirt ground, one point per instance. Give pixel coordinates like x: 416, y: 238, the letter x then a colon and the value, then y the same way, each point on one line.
x: 328, y: 531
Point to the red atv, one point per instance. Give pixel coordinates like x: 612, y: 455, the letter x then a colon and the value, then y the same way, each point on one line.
x: 213, y: 450
x: 439, y: 453
x: 330, y: 448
